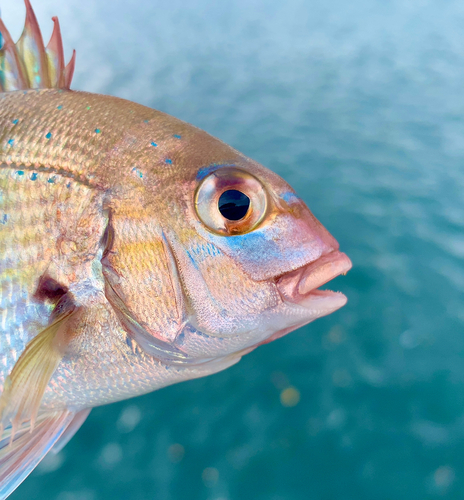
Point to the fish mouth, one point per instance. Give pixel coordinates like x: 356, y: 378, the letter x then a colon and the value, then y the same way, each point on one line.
x: 300, y: 288
x: 301, y: 285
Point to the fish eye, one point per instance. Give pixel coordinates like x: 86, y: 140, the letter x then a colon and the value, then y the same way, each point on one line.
x: 230, y: 201
x: 233, y: 204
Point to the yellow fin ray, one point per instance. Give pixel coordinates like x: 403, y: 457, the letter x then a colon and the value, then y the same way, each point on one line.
x: 26, y: 384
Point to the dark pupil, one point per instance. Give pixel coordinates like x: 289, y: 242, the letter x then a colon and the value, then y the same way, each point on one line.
x: 233, y: 204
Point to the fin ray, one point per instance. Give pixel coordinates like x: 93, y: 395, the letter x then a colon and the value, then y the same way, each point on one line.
x: 26, y: 384
x: 19, y: 457
x: 76, y: 423
x: 31, y: 47
x: 11, y: 67
x: 28, y: 64
x: 55, y: 56
x: 69, y: 70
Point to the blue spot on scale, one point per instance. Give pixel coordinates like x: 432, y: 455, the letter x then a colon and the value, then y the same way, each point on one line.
x: 59, y: 107
x: 154, y: 144
x: 204, y: 171
x: 11, y: 142
x: 20, y: 172
x: 289, y: 197
x: 14, y: 122
x: 68, y: 185
x: 177, y: 136
x: 168, y: 161
x: 48, y: 135
x: 51, y: 180
x: 4, y: 219
x: 34, y: 177
x: 97, y: 130
x: 138, y: 172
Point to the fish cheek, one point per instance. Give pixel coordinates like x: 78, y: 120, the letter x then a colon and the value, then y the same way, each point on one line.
x: 137, y: 269
x: 221, y: 298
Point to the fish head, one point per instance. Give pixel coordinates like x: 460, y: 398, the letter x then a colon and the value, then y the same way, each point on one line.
x: 241, y: 254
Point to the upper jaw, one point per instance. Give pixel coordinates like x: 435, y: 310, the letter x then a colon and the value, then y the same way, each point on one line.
x: 300, y: 286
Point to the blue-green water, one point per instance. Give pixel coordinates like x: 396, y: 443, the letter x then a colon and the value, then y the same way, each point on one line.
x: 360, y: 106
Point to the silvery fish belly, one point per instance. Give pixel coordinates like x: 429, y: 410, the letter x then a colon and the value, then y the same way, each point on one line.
x: 136, y: 251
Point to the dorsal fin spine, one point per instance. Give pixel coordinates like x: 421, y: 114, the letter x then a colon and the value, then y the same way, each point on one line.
x: 12, y: 72
x: 30, y: 45
x: 69, y: 70
x: 55, y: 55
x: 28, y: 64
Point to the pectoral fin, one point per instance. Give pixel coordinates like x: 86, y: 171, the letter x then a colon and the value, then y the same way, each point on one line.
x: 25, y: 385
x: 20, y: 453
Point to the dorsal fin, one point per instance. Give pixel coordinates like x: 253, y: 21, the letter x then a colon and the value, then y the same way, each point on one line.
x: 28, y: 64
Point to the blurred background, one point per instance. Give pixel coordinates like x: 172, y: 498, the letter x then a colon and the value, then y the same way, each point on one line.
x: 360, y: 106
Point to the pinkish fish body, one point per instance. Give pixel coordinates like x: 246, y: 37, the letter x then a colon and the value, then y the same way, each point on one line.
x: 136, y: 251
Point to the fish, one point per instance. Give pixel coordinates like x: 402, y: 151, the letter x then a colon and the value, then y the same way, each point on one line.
x: 136, y: 251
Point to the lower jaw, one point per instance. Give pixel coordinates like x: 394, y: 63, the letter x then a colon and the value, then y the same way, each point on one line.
x: 323, y: 302
x: 324, y: 299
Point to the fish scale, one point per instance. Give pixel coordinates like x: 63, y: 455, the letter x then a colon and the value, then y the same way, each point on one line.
x: 32, y: 226
x: 69, y: 119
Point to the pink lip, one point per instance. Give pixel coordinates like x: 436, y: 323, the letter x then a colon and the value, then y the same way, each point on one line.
x: 300, y: 286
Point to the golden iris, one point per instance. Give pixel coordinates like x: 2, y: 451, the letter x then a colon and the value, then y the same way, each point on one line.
x: 230, y: 201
